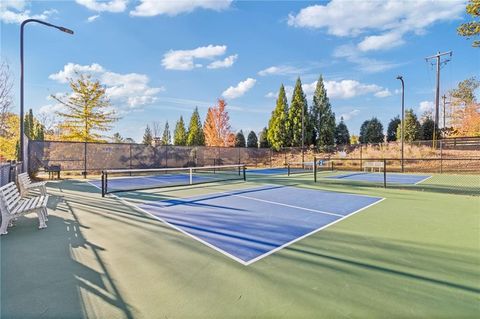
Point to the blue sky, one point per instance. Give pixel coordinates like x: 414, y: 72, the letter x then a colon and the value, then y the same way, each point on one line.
x: 161, y: 59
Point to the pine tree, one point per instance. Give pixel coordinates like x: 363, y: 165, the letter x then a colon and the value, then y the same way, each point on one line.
x: 342, y: 136
x: 322, y: 117
x: 240, y: 139
x: 263, y: 139
x: 195, y: 135
x: 297, y: 116
x: 252, y: 140
x: 117, y: 138
x: 87, y: 110
x: 392, y: 129
x: 363, y: 132
x: 217, y: 127
x: 427, y: 128
x: 29, y: 125
x: 180, y: 133
x: 411, y: 126
x: 166, y: 136
x: 277, y: 135
x: 147, y: 136
x: 371, y: 131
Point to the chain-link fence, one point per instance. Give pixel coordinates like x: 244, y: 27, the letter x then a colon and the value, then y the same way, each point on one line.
x: 9, y: 172
x: 446, y: 155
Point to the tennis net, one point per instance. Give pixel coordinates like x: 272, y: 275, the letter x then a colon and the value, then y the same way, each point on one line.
x: 300, y: 168
x: 126, y: 180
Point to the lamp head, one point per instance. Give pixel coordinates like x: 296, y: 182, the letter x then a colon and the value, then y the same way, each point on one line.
x: 65, y: 30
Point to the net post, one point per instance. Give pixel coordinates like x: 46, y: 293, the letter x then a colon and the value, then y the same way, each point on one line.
x: 103, y: 184
x: 244, y: 167
x: 384, y: 173
x: 332, y: 166
x: 191, y: 176
x: 315, y: 169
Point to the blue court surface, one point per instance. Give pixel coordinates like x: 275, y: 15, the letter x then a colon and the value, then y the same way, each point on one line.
x: 378, y: 178
x: 268, y: 171
x: 139, y: 182
x: 249, y: 224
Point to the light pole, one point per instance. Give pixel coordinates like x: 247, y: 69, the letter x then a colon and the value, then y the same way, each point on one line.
x: 21, y: 153
x: 403, y: 113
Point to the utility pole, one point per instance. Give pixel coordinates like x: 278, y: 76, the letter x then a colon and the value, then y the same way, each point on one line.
x: 438, y: 63
x: 444, y: 98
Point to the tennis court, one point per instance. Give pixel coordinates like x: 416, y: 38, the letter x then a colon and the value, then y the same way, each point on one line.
x: 249, y: 224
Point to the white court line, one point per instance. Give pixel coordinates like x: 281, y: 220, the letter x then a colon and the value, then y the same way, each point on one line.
x: 423, y: 180
x: 286, y: 205
x: 310, y: 233
x: 251, y: 261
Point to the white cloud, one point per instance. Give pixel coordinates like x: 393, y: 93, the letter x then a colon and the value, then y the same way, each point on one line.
x: 69, y: 70
x: 369, y: 65
x: 14, y: 12
x: 392, y: 18
x: 381, y: 42
x: 271, y: 95
x: 148, y: 8
x: 234, y: 92
x: 426, y: 106
x: 344, y: 89
x: 109, y: 6
x: 225, y: 63
x: 185, y: 59
x: 130, y: 89
x: 383, y: 93
x: 93, y: 18
x: 280, y: 70
x: 349, y: 115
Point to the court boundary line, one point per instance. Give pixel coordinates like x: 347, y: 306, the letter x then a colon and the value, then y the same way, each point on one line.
x: 251, y: 261
x: 311, y: 233
x: 423, y: 180
x: 342, y: 176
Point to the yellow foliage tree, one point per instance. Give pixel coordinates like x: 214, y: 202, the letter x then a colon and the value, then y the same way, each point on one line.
x: 217, y: 127
x: 88, y: 110
x: 9, y: 137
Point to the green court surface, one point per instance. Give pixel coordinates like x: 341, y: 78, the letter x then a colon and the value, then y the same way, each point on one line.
x: 415, y: 254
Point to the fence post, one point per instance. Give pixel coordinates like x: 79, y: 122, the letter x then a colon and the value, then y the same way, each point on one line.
x: 361, y: 159
x: 315, y: 169
x: 441, y: 156
x: 85, y: 160
x: 384, y: 173
x: 270, y: 152
x: 130, y: 156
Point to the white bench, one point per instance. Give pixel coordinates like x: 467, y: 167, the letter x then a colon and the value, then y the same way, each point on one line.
x: 25, y: 185
x: 13, y: 206
x: 372, y: 166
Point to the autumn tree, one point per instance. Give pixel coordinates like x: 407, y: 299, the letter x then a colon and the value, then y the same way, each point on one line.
x: 472, y: 28
x: 87, y: 110
x: 147, y: 136
x: 9, y: 137
x: 231, y: 139
x: 240, y: 139
x: 6, y: 99
x: 297, y: 116
x: 217, y: 127
x: 252, y: 140
x: 277, y: 135
x: 465, y: 110
x: 195, y: 136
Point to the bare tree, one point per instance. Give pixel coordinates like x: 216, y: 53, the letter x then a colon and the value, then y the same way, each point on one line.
x: 6, y: 99
x: 157, y: 129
